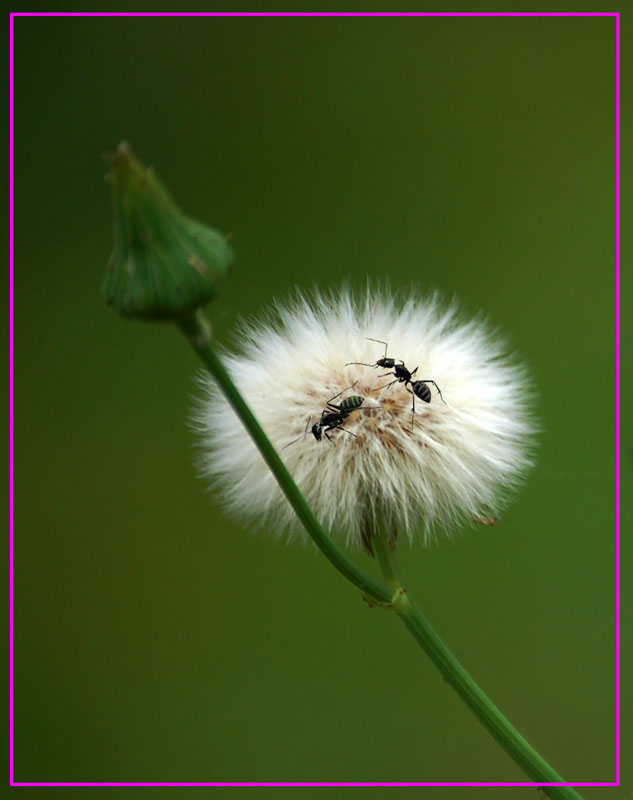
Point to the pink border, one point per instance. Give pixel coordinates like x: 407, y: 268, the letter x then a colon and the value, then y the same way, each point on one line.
x: 616, y: 15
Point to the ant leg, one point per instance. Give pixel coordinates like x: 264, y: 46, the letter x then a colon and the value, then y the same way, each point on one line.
x: 387, y: 385
x: 438, y: 390
x: 340, y: 393
x: 385, y: 375
x: 339, y: 428
x: 414, y: 371
x: 413, y: 409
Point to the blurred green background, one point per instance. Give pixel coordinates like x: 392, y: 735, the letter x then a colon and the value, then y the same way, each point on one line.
x: 156, y: 640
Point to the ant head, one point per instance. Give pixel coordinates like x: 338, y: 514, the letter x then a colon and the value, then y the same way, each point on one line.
x: 316, y: 431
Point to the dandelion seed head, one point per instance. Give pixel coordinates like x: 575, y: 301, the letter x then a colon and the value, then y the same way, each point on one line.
x: 459, y: 461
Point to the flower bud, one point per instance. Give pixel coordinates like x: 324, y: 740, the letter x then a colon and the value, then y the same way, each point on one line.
x: 163, y: 264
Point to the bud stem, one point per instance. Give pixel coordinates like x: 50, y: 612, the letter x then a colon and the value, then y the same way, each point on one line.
x: 196, y: 328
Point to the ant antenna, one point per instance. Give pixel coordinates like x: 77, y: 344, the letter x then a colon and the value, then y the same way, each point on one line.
x: 362, y: 363
x: 380, y: 341
x: 303, y: 436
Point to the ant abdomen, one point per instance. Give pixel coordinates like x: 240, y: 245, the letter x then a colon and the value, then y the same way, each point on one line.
x: 421, y: 390
x: 351, y: 403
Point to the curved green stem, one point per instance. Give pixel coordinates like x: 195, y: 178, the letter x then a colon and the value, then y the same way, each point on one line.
x: 196, y: 329
x: 479, y: 703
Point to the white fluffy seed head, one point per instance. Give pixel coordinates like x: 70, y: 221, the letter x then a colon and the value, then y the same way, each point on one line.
x: 458, y: 462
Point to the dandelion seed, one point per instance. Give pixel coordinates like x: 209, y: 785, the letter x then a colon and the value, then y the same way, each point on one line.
x: 460, y: 461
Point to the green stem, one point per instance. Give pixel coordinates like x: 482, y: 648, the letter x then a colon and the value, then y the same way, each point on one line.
x: 479, y: 703
x: 384, y: 556
x: 196, y: 329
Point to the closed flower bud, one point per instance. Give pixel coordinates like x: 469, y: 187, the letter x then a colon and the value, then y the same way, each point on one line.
x: 339, y: 408
x: 163, y: 264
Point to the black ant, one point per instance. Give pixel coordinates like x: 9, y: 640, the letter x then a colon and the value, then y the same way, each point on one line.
x: 418, y: 389
x: 332, y: 417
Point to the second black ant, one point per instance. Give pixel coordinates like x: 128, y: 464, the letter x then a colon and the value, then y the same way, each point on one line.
x: 333, y: 416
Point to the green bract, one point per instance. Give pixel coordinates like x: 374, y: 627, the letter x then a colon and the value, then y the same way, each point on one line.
x: 163, y: 264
